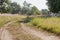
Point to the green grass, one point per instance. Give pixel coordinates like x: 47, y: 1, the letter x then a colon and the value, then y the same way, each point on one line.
x: 50, y: 24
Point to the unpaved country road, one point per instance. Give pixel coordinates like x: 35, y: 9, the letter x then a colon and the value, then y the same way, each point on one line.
x: 5, y: 34
x: 39, y: 34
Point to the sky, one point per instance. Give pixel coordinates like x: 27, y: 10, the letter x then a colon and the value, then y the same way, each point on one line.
x: 40, y: 4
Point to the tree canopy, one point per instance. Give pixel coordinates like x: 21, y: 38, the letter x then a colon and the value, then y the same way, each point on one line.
x: 35, y: 10
x: 15, y: 8
x: 28, y: 9
x: 5, y: 6
x: 54, y: 5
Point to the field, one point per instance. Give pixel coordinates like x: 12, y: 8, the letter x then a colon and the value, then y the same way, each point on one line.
x: 15, y: 25
x: 12, y: 25
x: 50, y: 24
x: 7, y: 18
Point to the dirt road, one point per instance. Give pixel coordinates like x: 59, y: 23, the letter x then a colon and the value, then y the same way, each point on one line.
x: 39, y: 34
x: 5, y: 34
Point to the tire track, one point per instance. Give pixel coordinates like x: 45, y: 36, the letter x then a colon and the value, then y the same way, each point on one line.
x: 5, y: 34
x: 39, y: 34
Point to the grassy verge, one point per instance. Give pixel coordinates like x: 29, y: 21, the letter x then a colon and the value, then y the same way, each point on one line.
x: 50, y: 24
x: 5, y: 19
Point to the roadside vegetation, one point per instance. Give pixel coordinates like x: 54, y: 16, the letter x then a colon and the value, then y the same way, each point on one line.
x: 45, y: 19
x: 3, y: 20
x: 51, y: 24
x: 6, y: 19
x: 18, y: 33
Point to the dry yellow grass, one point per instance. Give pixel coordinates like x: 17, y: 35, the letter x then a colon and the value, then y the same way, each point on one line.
x: 15, y: 27
x: 5, y: 19
x: 50, y: 24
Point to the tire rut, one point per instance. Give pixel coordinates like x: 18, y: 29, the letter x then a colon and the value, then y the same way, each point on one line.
x: 39, y: 34
x: 4, y: 33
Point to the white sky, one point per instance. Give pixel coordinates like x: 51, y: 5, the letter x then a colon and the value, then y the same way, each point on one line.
x: 40, y: 4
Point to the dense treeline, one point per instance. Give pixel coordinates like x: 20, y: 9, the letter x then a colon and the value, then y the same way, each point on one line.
x: 7, y: 7
x: 54, y: 5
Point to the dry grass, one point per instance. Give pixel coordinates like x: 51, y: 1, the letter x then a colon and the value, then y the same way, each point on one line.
x: 19, y: 33
x: 50, y: 24
x: 15, y: 27
x: 6, y: 18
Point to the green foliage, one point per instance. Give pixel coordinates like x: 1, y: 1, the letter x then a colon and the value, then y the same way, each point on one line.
x: 5, y: 6
x: 27, y: 9
x: 35, y: 10
x: 24, y: 10
x: 15, y: 8
x: 49, y: 24
x: 54, y: 5
x: 44, y: 11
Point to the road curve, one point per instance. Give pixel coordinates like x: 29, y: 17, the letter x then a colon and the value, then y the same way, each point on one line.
x: 39, y: 34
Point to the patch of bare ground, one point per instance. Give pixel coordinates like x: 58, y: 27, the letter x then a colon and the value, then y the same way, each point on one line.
x: 5, y: 34
x: 20, y: 34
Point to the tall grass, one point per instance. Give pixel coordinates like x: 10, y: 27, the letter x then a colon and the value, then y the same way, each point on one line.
x: 50, y: 24
x: 5, y: 19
